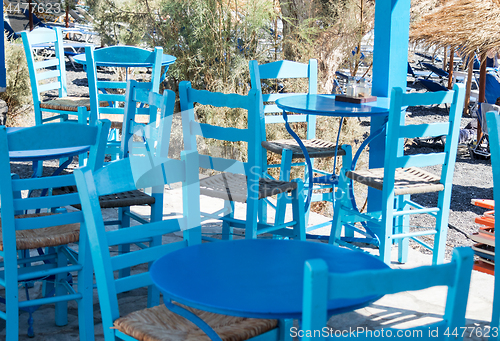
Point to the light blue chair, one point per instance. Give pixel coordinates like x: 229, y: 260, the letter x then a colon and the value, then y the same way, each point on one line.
x: 107, y: 97
x: 50, y: 74
x: 238, y: 181
x: 156, y: 169
x: 21, y: 233
x: 401, y: 177
x: 493, y: 120
x: 320, y: 286
x: 289, y: 149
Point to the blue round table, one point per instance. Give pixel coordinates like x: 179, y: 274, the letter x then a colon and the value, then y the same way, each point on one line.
x: 257, y: 278
x: 326, y: 105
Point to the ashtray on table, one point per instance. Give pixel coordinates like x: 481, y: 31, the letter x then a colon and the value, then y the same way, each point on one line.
x: 351, y: 99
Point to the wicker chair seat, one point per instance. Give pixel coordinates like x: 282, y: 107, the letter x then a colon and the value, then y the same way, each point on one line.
x: 69, y: 103
x: 44, y: 237
x: 410, y: 180
x: 160, y: 324
x: 233, y: 187
x: 315, y: 147
x: 123, y: 199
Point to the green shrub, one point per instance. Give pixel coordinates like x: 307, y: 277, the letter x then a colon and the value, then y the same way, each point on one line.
x: 17, y: 95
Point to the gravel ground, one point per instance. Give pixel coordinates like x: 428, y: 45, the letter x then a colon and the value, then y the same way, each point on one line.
x: 472, y: 178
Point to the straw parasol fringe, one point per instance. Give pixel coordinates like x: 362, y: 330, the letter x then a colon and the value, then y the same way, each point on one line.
x: 470, y: 26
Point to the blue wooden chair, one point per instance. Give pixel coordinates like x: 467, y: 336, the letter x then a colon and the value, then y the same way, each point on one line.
x: 401, y: 177
x: 320, y: 286
x: 238, y: 181
x: 493, y: 120
x: 50, y: 74
x: 155, y: 322
x: 289, y: 149
x: 22, y: 230
x: 105, y: 96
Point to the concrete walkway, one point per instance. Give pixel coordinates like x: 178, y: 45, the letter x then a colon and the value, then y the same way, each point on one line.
x: 399, y: 310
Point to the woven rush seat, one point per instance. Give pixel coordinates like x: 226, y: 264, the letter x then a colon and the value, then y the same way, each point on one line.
x: 123, y: 199
x: 160, y: 324
x: 315, y: 148
x: 407, y: 180
x: 69, y: 103
x: 233, y: 187
x: 44, y: 237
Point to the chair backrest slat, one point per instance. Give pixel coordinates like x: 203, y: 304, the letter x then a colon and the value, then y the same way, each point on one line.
x: 122, y: 236
x: 45, y: 202
x: 45, y: 64
x: 47, y: 221
x: 424, y: 130
x: 426, y: 160
x: 47, y: 74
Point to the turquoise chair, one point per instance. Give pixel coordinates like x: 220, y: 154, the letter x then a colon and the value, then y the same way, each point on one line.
x: 238, y: 181
x: 156, y: 169
x: 493, y: 120
x: 401, y: 177
x: 22, y: 230
x: 107, y: 97
x: 50, y: 74
x: 320, y: 286
x: 289, y: 149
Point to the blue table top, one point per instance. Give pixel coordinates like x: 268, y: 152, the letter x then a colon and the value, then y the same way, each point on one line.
x: 166, y: 60
x: 259, y: 278
x: 326, y: 105
x: 44, y: 154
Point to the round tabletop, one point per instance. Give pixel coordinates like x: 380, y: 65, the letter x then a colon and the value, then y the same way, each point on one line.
x: 44, y: 154
x: 326, y: 105
x: 257, y: 278
x: 166, y: 60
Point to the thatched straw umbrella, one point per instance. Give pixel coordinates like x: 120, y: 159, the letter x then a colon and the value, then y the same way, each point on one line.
x: 468, y: 26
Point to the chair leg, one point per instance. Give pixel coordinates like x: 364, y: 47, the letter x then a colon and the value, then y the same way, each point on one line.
x: 285, y: 170
x: 227, y: 228
x: 86, y: 289
x: 124, y: 223
x: 251, y: 218
x: 441, y: 228
x: 403, y: 224
x: 156, y: 215
x: 299, y: 228
x: 61, y: 307
x: 386, y: 230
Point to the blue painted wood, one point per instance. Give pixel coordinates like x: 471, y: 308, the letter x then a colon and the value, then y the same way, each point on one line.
x: 252, y: 168
x: 118, y: 56
x: 493, y: 120
x: 58, y: 261
x: 270, y: 278
x: 38, y: 76
x: 125, y: 174
x: 397, y: 130
x: 323, y: 284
